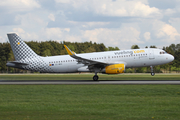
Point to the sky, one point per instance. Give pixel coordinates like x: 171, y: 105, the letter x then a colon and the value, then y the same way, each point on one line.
x: 120, y: 23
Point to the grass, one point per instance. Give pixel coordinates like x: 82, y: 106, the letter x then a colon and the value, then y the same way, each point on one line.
x: 89, y: 77
x: 79, y: 102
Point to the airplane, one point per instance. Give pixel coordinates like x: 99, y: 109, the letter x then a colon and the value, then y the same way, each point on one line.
x: 108, y: 62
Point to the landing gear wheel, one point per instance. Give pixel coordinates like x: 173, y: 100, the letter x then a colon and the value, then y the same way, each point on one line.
x: 95, y: 78
x: 152, y: 73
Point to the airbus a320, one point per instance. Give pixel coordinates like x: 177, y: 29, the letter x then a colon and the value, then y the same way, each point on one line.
x: 108, y: 62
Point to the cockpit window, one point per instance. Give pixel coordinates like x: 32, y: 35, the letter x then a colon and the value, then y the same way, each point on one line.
x: 162, y: 52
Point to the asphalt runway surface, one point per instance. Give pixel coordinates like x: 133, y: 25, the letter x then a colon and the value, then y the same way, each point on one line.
x: 86, y: 82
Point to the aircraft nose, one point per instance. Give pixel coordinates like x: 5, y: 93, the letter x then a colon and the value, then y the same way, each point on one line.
x: 171, y: 58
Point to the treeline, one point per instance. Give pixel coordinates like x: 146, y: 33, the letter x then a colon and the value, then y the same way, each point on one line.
x: 51, y: 48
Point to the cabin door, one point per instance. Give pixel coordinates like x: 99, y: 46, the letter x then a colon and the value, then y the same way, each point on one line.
x: 151, y: 54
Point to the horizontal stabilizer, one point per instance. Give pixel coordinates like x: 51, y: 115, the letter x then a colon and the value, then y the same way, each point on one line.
x: 18, y: 63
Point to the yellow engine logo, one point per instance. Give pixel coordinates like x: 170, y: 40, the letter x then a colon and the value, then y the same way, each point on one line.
x: 115, y: 69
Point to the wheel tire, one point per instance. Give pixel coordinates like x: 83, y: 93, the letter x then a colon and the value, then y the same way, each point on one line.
x: 95, y: 78
x: 152, y: 73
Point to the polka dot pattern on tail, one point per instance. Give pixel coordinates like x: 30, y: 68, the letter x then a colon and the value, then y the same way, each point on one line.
x: 24, y: 54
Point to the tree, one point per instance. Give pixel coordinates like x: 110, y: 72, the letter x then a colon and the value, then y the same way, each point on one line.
x: 47, y: 52
x: 153, y: 46
x: 134, y: 47
x: 113, y: 48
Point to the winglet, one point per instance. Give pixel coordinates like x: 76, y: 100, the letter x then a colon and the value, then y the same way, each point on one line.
x: 68, y: 50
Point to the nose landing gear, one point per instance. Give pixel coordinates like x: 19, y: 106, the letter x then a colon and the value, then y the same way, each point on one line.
x: 152, y: 71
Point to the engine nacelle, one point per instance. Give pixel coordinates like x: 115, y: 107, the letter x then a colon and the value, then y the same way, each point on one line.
x: 114, y: 69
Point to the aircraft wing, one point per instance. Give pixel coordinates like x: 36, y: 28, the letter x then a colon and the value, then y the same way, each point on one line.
x: 85, y: 61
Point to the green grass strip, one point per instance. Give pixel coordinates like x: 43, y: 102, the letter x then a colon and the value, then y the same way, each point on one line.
x: 81, y: 102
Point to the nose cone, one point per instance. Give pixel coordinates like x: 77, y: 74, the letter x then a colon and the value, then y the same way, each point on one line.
x: 171, y: 58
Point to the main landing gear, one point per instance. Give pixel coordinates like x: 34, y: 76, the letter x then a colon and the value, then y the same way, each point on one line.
x: 95, y: 77
x: 152, y: 71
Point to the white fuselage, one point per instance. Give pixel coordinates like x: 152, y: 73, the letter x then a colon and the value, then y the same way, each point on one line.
x: 131, y: 58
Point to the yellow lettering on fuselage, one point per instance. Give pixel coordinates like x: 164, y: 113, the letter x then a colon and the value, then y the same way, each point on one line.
x: 139, y: 51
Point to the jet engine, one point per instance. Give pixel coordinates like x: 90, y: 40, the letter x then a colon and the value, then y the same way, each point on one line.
x: 114, y: 69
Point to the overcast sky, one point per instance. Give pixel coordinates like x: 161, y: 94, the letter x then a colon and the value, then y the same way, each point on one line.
x: 120, y: 23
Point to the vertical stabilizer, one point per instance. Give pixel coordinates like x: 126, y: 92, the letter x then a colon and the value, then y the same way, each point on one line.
x: 20, y: 49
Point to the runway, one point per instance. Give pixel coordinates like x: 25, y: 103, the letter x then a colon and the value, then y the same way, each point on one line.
x: 86, y: 82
